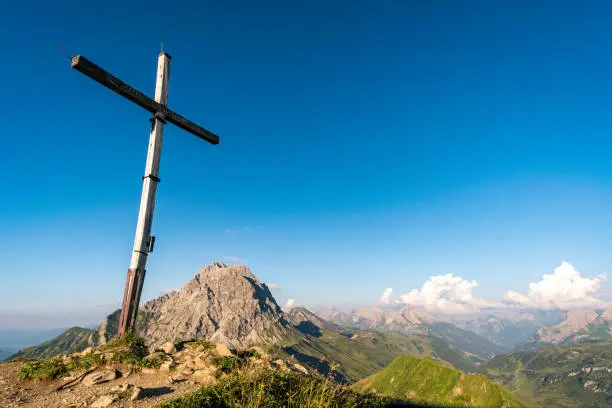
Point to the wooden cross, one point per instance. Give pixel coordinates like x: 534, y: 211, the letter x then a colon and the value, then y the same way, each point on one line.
x: 144, y: 241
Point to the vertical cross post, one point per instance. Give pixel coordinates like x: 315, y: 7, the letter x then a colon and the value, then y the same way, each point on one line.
x: 143, y: 240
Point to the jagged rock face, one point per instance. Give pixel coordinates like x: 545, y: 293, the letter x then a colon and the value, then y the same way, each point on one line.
x: 225, y: 304
x: 106, y: 331
x: 299, y: 315
x: 576, y: 321
x: 407, y: 320
x: 308, y: 322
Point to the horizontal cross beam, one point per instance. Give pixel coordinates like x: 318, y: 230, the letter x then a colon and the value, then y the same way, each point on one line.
x: 96, y: 73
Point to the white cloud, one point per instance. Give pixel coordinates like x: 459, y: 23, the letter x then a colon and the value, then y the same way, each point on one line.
x: 290, y: 304
x: 273, y: 286
x: 384, y: 299
x: 445, y: 294
x: 237, y: 230
x: 565, y: 288
x: 232, y: 259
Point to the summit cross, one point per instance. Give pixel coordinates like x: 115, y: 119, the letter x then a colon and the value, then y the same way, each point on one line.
x: 144, y: 241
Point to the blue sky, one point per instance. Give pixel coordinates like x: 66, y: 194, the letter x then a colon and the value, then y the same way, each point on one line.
x: 364, y: 145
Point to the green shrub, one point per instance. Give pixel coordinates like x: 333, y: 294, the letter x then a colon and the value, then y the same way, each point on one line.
x: 85, y: 362
x: 151, y: 362
x: 43, y: 369
x: 227, y: 364
x: 208, y: 346
x: 129, y: 349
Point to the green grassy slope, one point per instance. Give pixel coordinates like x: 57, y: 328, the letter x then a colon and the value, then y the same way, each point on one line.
x: 73, y: 339
x: 363, y: 353
x: 424, y: 380
x: 564, y: 377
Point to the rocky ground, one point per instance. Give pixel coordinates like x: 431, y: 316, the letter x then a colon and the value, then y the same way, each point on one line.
x: 112, y: 384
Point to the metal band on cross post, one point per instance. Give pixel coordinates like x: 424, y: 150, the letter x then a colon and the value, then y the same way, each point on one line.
x: 143, y: 241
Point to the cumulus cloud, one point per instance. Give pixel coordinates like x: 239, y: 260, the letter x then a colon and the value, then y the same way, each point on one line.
x: 273, y: 286
x: 384, y: 299
x: 564, y: 288
x: 290, y: 304
x: 445, y: 294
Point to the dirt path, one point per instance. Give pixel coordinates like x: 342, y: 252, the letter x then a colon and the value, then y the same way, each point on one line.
x: 156, y: 388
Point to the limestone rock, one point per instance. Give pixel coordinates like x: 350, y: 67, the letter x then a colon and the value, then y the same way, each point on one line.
x: 168, y: 348
x: 166, y: 365
x: 300, y: 368
x: 99, y: 377
x: 120, y: 388
x: 147, y: 370
x: 137, y: 394
x: 205, y: 377
x: 200, y: 363
x: 222, y: 351
x: 105, y: 401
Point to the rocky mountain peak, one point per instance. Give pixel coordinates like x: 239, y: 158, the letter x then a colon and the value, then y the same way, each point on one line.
x: 575, y: 321
x: 581, y: 317
x: 223, y: 303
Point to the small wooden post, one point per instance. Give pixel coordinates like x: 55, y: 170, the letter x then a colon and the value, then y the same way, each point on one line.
x: 143, y: 239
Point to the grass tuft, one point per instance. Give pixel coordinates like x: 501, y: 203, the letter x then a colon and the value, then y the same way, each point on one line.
x: 274, y: 389
x: 227, y: 364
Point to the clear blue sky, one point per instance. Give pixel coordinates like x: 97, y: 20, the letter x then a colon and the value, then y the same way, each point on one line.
x: 364, y: 145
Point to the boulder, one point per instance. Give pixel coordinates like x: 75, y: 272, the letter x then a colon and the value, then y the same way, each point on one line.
x: 166, y: 365
x: 279, y: 363
x: 300, y: 368
x: 147, y: 370
x: 168, y: 348
x: 105, y: 401
x: 99, y: 377
x: 137, y: 394
x: 221, y: 350
x: 200, y: 363
x: 157, y: 354
x: 120, y: 388
x: 205, y: 377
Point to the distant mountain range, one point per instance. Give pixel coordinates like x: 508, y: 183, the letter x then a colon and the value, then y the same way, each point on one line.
x: 12, y: 340
x: 579, y: 326
x: 73, y: 339
x: 412, y: 321
x: 507, y: 327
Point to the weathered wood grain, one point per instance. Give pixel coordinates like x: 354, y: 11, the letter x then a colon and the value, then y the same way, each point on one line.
x: 110, y: 81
